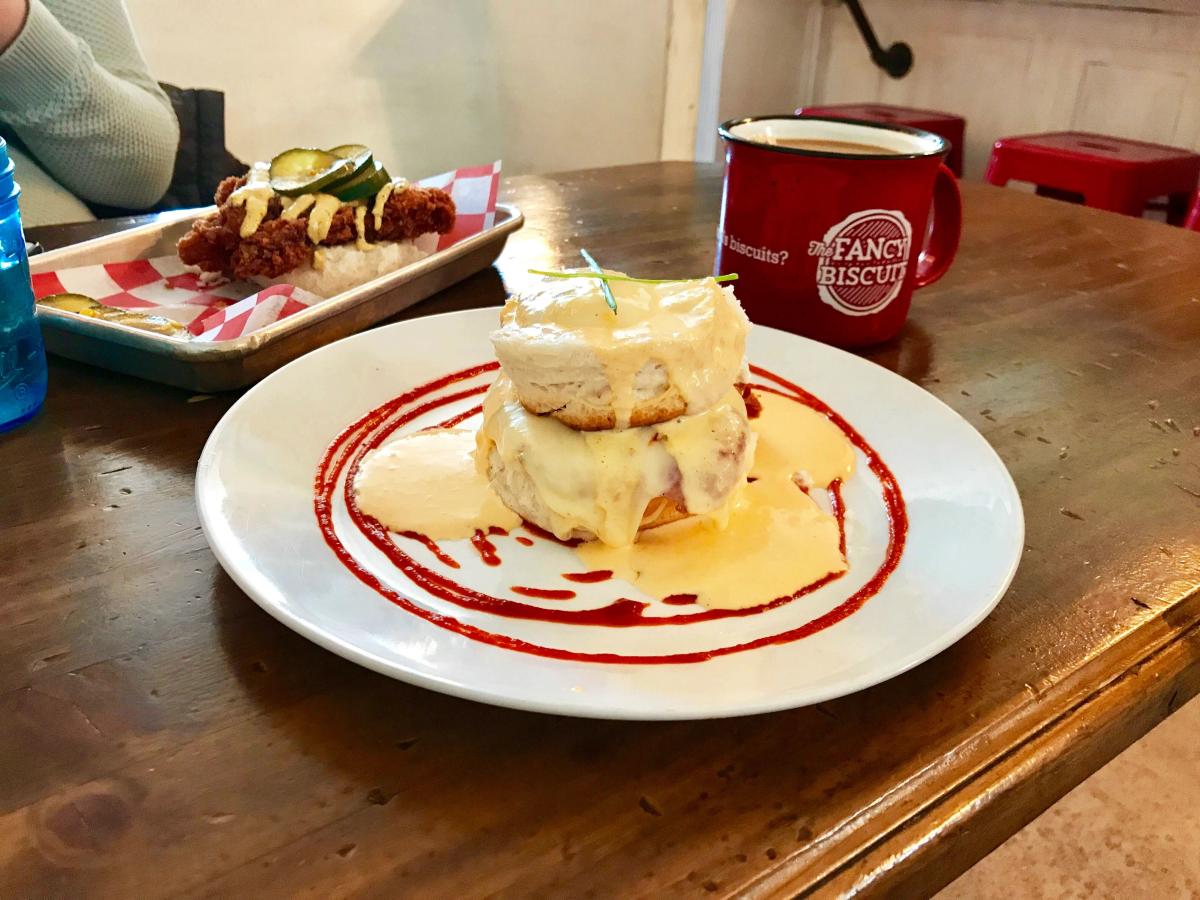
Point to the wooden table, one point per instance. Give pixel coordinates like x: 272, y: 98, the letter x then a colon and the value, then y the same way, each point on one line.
x: 159, y: 734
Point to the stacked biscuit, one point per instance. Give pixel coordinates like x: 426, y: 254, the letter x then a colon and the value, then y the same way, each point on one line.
x: 601, y: 423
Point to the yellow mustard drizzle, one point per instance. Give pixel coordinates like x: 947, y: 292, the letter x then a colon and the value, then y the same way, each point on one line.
x: 321, y: 217
x: 298, y: 207
x: 255, y: 195
x: 381, y: 199
x: 360, y: 228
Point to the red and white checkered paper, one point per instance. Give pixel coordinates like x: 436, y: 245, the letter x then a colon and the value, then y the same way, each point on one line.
x: 164, y: 286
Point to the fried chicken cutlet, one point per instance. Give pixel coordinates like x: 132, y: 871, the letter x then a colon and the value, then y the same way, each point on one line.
x: 278, y: 246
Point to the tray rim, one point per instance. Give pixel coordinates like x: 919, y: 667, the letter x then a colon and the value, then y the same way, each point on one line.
x: 211, y: 351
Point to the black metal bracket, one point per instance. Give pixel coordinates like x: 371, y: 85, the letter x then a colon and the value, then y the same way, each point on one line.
x: 896, y: 60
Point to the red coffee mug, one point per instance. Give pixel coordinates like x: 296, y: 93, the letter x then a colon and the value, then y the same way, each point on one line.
x: 824, y: 220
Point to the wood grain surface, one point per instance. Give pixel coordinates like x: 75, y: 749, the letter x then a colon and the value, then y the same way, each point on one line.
x: 161, y: 736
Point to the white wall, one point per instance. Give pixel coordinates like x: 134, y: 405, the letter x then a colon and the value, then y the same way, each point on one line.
x: 429, y: 84
x: 767, y: 54
x: 1129, y: 68
x: 561, y: 84
x: 757, y: 59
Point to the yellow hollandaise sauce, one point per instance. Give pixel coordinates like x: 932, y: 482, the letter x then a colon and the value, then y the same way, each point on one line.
x: 776, y: 538
x: 601, y: 482
x: 428, y: 483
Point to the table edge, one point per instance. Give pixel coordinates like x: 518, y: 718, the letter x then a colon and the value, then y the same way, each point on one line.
x: 1036, y: 758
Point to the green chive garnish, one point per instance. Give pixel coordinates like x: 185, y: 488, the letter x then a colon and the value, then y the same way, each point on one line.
x: 604, y: 276
x: 595, y: 267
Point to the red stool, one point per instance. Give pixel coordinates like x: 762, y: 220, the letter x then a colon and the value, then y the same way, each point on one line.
x: 1106, y: 172
x: 1193, y: 217
x: 952, y: 128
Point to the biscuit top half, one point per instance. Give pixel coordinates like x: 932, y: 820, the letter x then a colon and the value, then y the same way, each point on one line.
x: 671, y: 310
x: 693, y: 331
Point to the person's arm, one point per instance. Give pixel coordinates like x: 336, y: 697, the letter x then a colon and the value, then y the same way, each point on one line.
x: 75, y: 88
x: 12, y: 17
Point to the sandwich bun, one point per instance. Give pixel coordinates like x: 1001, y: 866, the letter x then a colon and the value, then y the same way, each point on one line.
x: 343, y: 267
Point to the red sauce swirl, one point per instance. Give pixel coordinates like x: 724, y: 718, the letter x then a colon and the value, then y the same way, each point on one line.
x: 487, y: 550
x: 589, y: 577
x: 543, y: 593
x: 345, y: 455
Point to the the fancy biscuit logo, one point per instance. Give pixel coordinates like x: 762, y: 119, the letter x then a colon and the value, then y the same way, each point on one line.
x: 862, y: 260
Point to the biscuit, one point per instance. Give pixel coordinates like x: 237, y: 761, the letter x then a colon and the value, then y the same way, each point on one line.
x: 670, y: 350
x: 610, y: 484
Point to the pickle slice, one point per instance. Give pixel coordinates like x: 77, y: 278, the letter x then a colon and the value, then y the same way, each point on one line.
x: 157, y: 324
x: 82, y: 305
x: 345, y: 151
x: 75, y: 303
x: 304, y: 170
x: 367, y: 183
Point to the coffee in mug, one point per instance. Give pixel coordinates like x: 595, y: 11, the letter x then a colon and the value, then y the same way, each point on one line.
x: 824, y: 220
x: 842, y: 147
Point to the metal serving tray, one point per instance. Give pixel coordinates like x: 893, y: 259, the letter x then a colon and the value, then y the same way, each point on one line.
x: 227, y: 365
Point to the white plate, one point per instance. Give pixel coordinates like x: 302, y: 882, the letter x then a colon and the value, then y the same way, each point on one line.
x: 254, y: 489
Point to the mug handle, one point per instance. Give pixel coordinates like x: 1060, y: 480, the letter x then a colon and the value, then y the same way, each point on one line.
x: 935, y: 259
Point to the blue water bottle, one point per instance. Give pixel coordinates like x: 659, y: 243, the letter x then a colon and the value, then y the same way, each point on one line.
x: 22, y: 357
